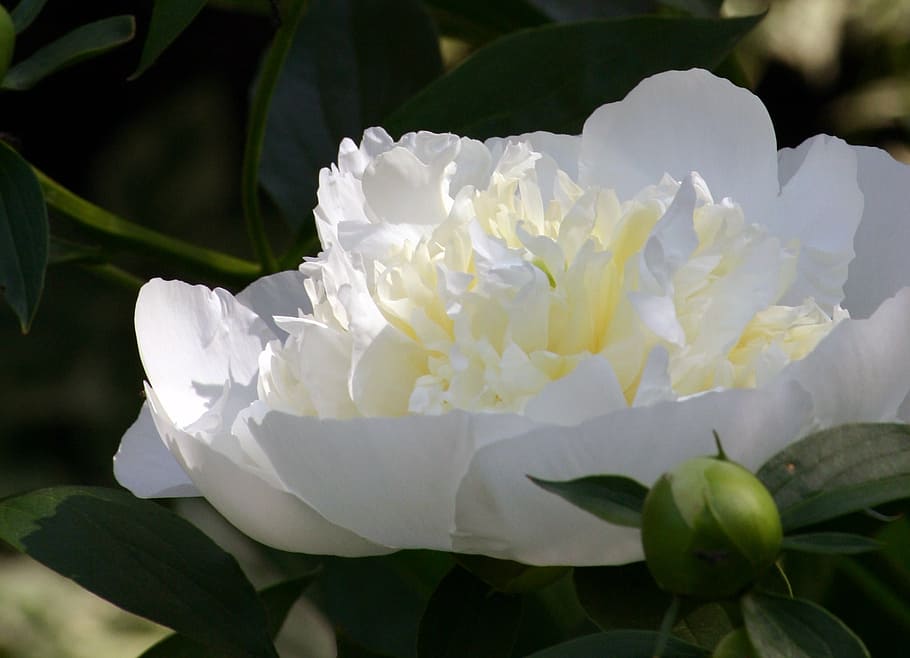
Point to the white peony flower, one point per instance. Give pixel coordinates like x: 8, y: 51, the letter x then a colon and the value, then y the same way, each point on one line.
x: 545, y: 304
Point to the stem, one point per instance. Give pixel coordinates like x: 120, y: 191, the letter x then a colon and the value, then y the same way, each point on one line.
x: 259, y: 114
x: 666, y: 625
x: 115, y: 275
x: 783, y: 575
x: 108, y: 225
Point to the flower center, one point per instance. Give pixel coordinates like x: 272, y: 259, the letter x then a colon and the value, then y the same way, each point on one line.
x: 531, y: 276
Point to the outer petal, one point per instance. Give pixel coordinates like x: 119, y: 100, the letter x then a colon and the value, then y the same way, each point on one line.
x: 278, y: 294
x: 881, y: 266
x: 145, y: 466
x: 390, y: 480
x: 247, y: 496
x: 501, y: 513
x: 821, y: 206
x: 861, y: 370
x: 682, y: 121
x: 192, y: 341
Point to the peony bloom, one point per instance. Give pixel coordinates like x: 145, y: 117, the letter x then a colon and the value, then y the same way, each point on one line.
x: 544, y: 304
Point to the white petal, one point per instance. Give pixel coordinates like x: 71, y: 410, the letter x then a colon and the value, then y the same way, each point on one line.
x: 654, y: 385
x: 882, y: 265
x: 590, y: 390
x: 861, y: 370
x: 682, y: 121
x: 561, y: 150
x: 192, y: 341
x: 340, y: 198
x: 278, y: 294
x: 384, y: 373
x: 502, y: 514
x: 145, y: 466
x: 400, y: 188
x: 248, y: 498
x: 390, y: 480
x: 821, y: 206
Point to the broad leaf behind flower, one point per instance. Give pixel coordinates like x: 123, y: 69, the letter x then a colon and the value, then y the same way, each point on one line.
x: 143, y: 558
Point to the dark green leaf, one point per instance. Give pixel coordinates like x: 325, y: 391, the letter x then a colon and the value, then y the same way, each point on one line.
x: 707, y: 8
x: 169, y: 19
x: 781, y: 626
x: 467, y: 18
x: 82, y: 43
x: 25, y: 12
x: 621, y: 597
x: 613, y: 498
x: 376, y: 603
x: 830, y: 543
x: 277, y: 600
x: 549, y: 616
x: 553, y: 77
x: 510, y: 577
x: 844, y: 500
x: 579, y: 10
x: 838, y: 471
x: 466, y: 617
x: 143, y: 558
x: 705, y: 625
x: 620, y: 644
x: 352, y: 62
x: 23, y: 236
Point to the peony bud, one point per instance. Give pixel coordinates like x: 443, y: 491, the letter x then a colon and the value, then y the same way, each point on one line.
x: 709, y: 528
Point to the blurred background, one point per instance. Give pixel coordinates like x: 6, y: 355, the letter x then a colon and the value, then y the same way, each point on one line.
x: 165, y: 151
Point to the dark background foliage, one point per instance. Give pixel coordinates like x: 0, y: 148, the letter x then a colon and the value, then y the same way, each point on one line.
x: 165, y: 150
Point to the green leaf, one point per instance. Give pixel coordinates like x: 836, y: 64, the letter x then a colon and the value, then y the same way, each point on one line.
x: 781, y: 626
x: 376, y: 602
x: 23, y: 236
x: 706, y: 625
x: 510, y: 577
x: 579, y: 10
x: 466, y: 617
x: 144, y: 559
x: 470, y: 17
x: 831, y: 543
x: 169, y: 19
x: 613, y: 498
x: 26, y: 12
x: 620, y: 644
x: 695, y: 7
x: 553, y: 77
x: 277, y: 601
x: 620, y: 597
x: 838, y: 471
x: 352, y: 62
x: 82, y: 43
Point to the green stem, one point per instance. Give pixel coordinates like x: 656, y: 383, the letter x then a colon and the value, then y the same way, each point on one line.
x: 115, y: 275
x: 259, y: 114
x: 875, y: 590
x: 666, y: 626
x: 121, y: 231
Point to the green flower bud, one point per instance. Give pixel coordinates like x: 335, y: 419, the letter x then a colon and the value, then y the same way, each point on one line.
x: 709, y: 529
x: 7, y: 41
